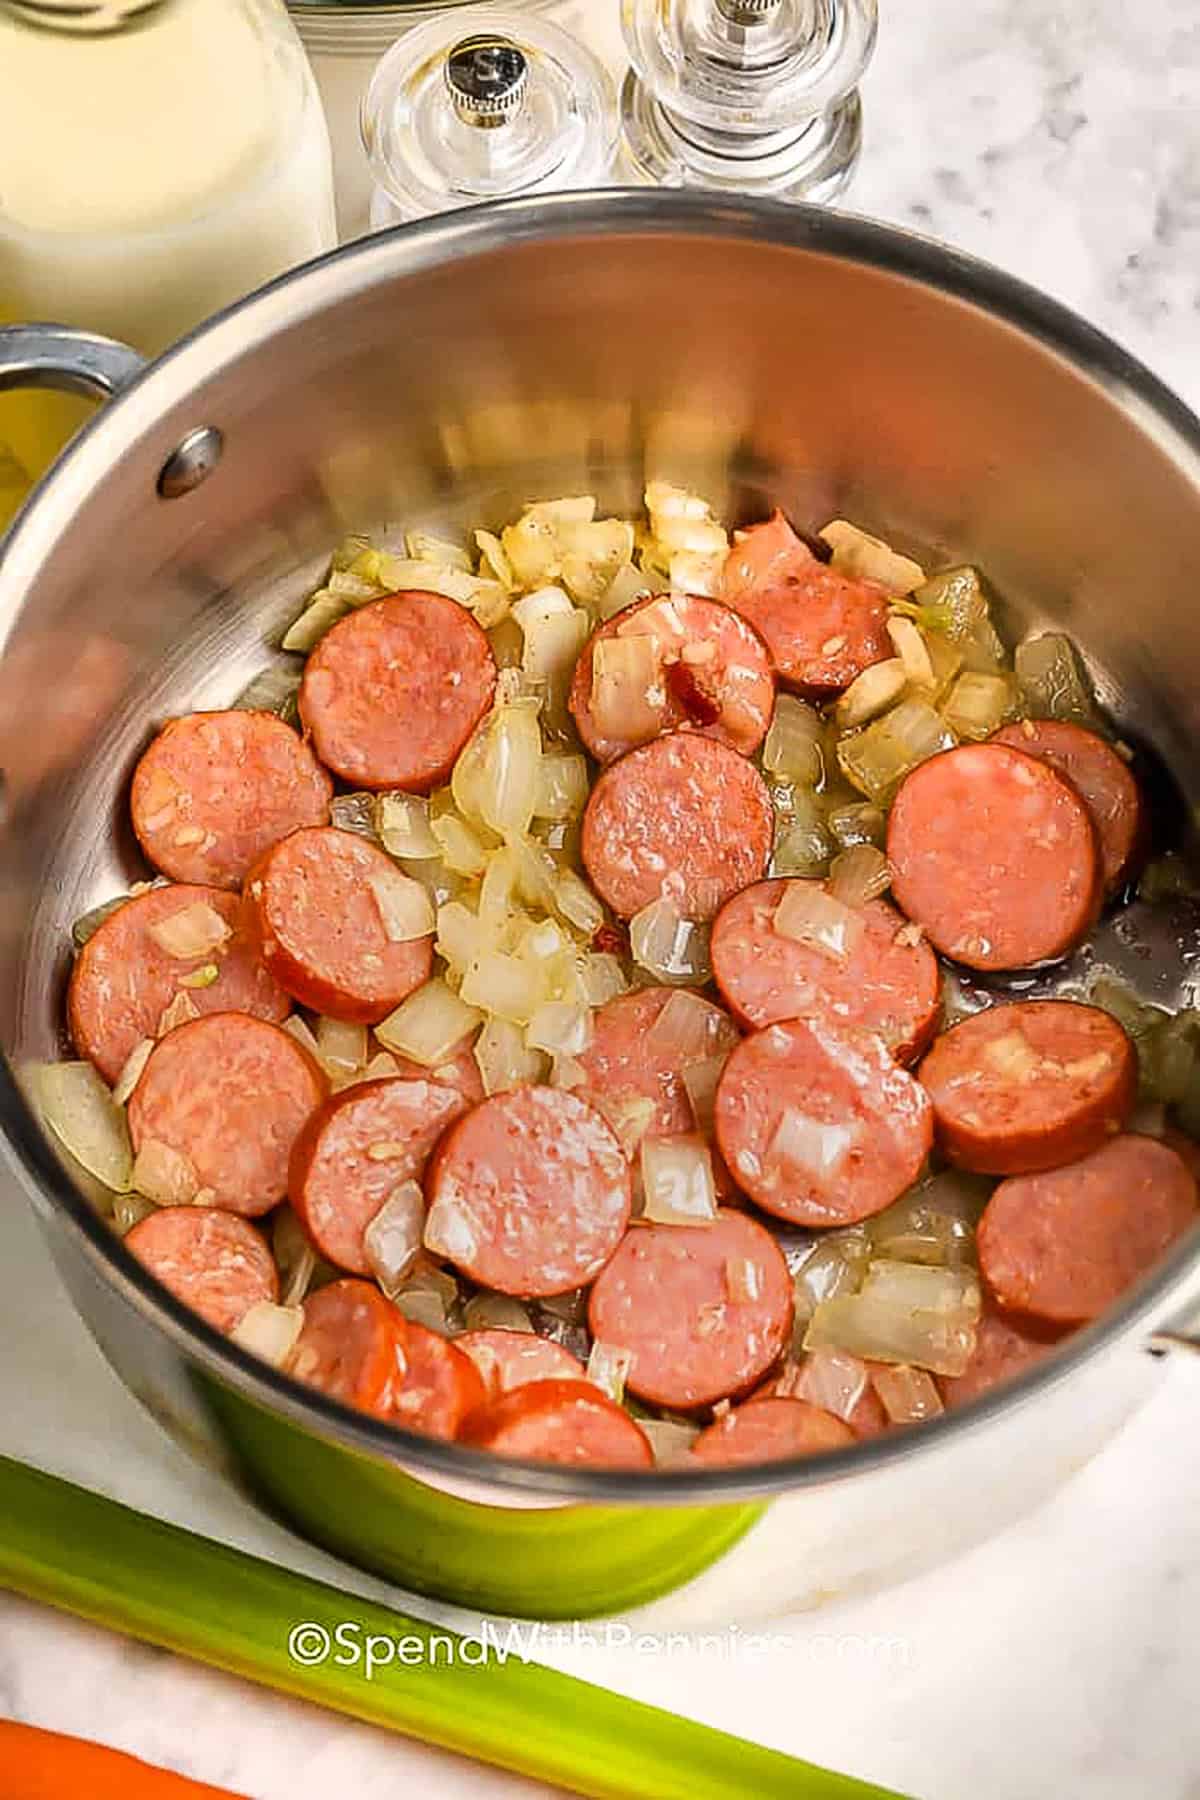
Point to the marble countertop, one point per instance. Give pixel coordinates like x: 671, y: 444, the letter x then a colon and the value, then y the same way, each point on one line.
x: 1058, y: 139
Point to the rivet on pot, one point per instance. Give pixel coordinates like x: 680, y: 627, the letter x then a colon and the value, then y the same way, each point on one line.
x: 192, y: 462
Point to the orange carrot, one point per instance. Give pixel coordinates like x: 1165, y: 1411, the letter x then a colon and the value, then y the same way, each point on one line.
x: 42, y: 1765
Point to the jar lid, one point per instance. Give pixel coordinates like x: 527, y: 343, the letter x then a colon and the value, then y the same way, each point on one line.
x: 485, y: 103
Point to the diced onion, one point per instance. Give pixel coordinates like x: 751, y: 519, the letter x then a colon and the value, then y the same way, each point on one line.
x: 908, y: 1394
x: 574, y: 899
x: 603, y: 978
x: 131, y: 1074
x: 870, y: 559
x: 1170, y: 1058
x: 508, y: 986
x: 354, y: 813
x: 858, y: 823
x: 294, y: 1255
x: 677, y: 1175
x: 690, y: 1030
x: 164, y: 1175
x: 323, y: 611
x: 402, y: 822
x: 536, y: 872
x: 381, y: 1067
x: 86, y: 926
x: 496, y: 1312
x: 911, y: 648
x: 879, y: 686
x: 562, y: 786
x: 951, y: 603
x: 882, y: 1331
x: 488, y: 600
x: 933, y: 1223
x: 404, y: 906
x: 809, y: 915
x: 835, y: 1267
x: 461, y: 935
x: 424, y: 546
x: 669, y: 946
x: 393, y: 1238
x: 129, y: 1210
x: 462, y: 849
x: 542, y: 942
x: 77, y: 1107
x: 269, y: 1331
x: 273, y: 690
x: 423, y: 1307
x: 977, y: 705
x: 878, y: 758
x: 509, y: 777
x: 493, y: 561
x: 920, y: 1288
x: 700, y: 1079
x: 554, y: 630
x: 946, y: 659
x: 192, y: 932
x: 429, y: 1025
x: 832, y: 1380
x: 670, y: 1440
x: 504, y: 1059
x: 296, y: 1027
x: 859, y: 875
x: 627, y: 585
x: 560, y: 1028
x: 593, y: 553
x: 565, y: 1072
x: 608, y: 1367
x: 803, y: 845
x: 629, y: 1116
x: 628, y: 698
x: 683, y: 521
x: 533, y: 546
x: 793, y: 747
x: 698, y: 571
x: 341, y: 1045
x: 1051, y: 678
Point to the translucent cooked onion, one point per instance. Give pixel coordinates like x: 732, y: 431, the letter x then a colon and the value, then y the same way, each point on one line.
x: 858, y: 823
x: 562, y: 786
x: 536, y: 872
x: 425, y: 546
x: 1169, y: 1054
x: 933, y: 1223
x: 683, y: 521
x: 919, y: 1288
x: 803, y: 845
x: 461, y: 935
x: 879, y: 686
x: 601, y: 978
x: 392, y: 1240
x: 574, y: 899
x: 354, y: 813
x: 831, y: 1379
x: 794, y: 744
x: 670, y: 1440
x: 423, y: 1307
x: 809, y: 915
x: 273, y: 690
x: 493, y: 560
x: 565, y: 1072
x: 488, y: 600
x: 322, y: 612
x: 592, y: 556
x: 911, y: 648
x: 628, y: 697
x: 404, y: 906
x: 668, y: 946
x: 946, y: 660
x: 698, y: 571
x: 554, y: 630
x: 89, y: 923
x: 164, y: 1175
x: 1051, y: 678
x: 627, y: 585
x: 677, y: 1178
x: 496, y: 1312
x: 608, y: 1368
x: 560, y: 1028
x: 542, y: 942
x: 977, y: 705
x: 341, y: 1046
x: 533, y: 545
x: 78, y: 1109
x: 510, y: 987
x: 504, y: 1059
x: 129, y: 1210
x: 870, y: 559
x: 510, y: 773
x: 402, y: 824
x: 295, y: 1257
x: 691, y: 1030
x: 877, y: 759
x: 835, y: 1267
x: 296, y: 1027
x: 429, y: 1025
x: 463, y: 851
x: 629, y: 1116
x: 879, y: 1330
x: 909, y: 1395
x: 191, y: 932
x: 700, y: 1079
x: 131, y: 1074
x: 269, y: 1331
x: 951, y: 603
x: 859, y: 875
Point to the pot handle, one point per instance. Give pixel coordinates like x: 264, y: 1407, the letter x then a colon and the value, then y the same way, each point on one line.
x: 72, y: 362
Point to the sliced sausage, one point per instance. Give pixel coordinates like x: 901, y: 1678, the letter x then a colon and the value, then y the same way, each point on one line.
x: 441, y: 1386
x: 768, y: 1430
x: 529, y: 1194
x: 355, y: 1151
x: 393, y: 692
x: 221, y: 1103
x: 1004, y: 1348
x: 560, y: 1422
x: 353, y: 1346
x: 818, y: 1124
x: 884, y: 977
x: 1029, y: 1086
x: 1103, y: 778
x: 1063, y: 1245
x: 124, y: 980
x: 995, y: 854
x: 314, y: 905
x: 460, y: 1071
x: 705, y: 1310
x: 217, y: 1264
x: 633, y: 1059
x: 217, y: 789
x: 511, y: 1359
x: 821, y: 627
x: 683, y: 818
x: 707, y: 670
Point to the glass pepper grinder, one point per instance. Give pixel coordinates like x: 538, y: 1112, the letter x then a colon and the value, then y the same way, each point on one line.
x: 750, y: 96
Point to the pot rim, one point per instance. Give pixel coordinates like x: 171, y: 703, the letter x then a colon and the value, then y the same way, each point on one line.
x: 407, y: 249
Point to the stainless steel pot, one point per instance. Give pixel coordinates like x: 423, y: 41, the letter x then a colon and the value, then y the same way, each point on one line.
x: 444, y: 374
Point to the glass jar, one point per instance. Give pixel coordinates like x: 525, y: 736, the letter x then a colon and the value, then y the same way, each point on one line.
x: 156, y: 162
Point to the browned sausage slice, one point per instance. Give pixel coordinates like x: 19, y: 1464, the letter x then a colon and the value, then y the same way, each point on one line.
x: 215, y: 790
x: 1029, y: 1086
x: 353, y: 1346
x: 1064, y: 1245
x: 355, y: 1151
x: 632, y: 1057
x: 668, y: 662
x: 220, y: 1105
x: 1105, y: 781
x: 393, y: 692
x: 768, y: 1430
x: 818, y: 1124
x: 704, y: 1310
x: 215, y: 1263
x: 560, y: 1422
x: 512, y: 1359
x: 1004, y: 1348
x: 684, y: 819
x: 878, y: 973
x: 822, y: 628
x: 995, y: 854
x: 529, y: 1193
x: 318, y: 907
x: 441, y: 1385
x: 125, y: 978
